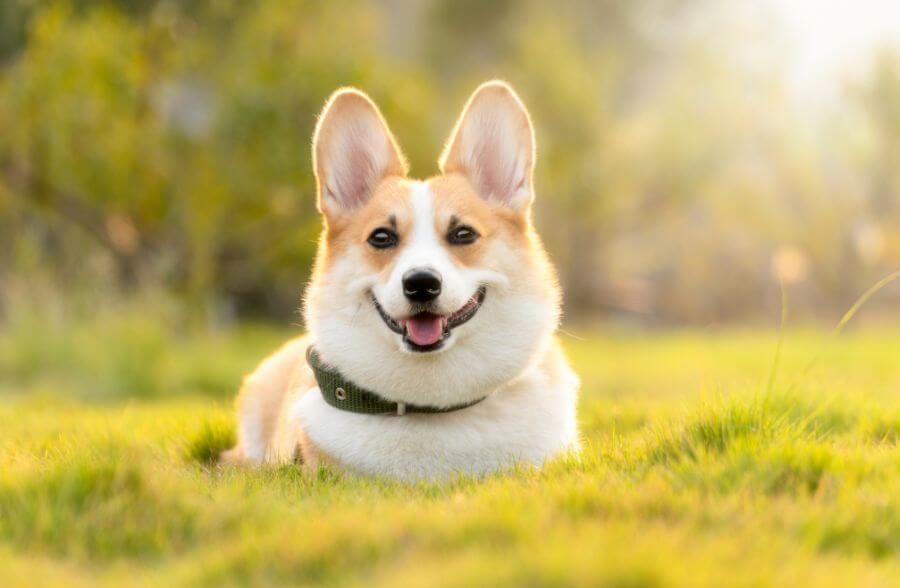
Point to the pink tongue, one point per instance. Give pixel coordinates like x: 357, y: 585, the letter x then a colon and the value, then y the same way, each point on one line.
x: 425, y: 328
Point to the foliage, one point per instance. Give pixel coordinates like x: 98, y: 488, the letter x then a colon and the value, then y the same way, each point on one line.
x: 161, y: 144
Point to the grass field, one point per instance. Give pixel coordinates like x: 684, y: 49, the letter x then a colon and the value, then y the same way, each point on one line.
x: 693, y: 474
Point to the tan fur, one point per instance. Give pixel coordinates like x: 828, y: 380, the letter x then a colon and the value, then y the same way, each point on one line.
x: 455, y: 198
x: 390, y: 200
x: 263, y: 395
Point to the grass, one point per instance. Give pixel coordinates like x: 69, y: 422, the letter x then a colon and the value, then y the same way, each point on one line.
x: 692, y: 473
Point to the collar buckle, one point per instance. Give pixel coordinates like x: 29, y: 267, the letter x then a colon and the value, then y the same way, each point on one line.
x: 401, y: 408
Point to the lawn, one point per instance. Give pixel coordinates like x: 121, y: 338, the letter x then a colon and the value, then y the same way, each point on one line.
x: 695, y: 471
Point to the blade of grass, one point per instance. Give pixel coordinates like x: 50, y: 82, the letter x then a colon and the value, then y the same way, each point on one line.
x: 863, y: 299
x: 848, y: 316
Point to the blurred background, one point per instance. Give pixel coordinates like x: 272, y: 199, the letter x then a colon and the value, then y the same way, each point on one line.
x: 155, y: 154
x: 158, y: 223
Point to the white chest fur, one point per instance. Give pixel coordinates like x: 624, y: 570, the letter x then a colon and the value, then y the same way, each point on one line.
x: 526, y: 421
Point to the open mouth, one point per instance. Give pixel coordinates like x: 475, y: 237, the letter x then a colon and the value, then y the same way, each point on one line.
x: 426, y: 331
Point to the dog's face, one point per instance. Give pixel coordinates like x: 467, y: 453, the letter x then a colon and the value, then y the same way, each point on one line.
x: 429, y: 292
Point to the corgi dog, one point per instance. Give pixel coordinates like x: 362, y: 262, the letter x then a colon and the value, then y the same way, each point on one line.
x: 431, y: 310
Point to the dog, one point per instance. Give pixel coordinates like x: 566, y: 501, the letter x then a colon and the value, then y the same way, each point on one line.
x: 431, y: 310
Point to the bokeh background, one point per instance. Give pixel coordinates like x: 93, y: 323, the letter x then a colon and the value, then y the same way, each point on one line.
x: 692, y: 153
x: 696, y: 158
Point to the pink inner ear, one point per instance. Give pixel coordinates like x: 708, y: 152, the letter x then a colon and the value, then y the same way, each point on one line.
x: 496, y: 169
x: 356, y: 180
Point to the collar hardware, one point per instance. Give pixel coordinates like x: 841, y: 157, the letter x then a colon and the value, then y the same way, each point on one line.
x: 343, y: 394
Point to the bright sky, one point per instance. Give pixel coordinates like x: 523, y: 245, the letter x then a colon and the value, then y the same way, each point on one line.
x: 830, y: 39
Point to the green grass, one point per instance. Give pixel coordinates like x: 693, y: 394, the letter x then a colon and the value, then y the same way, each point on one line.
x: 691, y: 475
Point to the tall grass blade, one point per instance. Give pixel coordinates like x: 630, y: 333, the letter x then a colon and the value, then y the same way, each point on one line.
x: 863, y: 299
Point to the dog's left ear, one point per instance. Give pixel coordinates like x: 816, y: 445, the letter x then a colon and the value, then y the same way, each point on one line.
x: 493, y: 145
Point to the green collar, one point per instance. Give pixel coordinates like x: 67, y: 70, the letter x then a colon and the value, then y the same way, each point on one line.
x: 343, y: 394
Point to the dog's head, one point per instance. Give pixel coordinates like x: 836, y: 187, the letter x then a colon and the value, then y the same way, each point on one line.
x: 429, y: 292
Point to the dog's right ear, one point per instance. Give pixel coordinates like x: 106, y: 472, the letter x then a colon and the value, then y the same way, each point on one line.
x: 353, y: 150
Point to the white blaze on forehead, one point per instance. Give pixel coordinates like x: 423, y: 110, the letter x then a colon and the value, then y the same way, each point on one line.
x: 424, y: 248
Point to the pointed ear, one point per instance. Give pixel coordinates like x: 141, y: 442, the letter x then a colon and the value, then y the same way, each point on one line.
x: 493, y: 145
x: 353, y: 150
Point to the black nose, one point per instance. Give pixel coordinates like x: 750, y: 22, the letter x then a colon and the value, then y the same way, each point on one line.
x: 421, y: 285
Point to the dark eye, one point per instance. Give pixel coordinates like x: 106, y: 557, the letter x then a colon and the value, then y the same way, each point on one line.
x: 462, y: 235
x: 382, y: 238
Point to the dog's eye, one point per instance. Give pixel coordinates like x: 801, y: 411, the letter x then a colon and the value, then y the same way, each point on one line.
x: 382, y: 238
x: 462, y: 235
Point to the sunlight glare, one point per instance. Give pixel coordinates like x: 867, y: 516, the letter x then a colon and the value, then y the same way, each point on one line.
x: 830, y: 39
